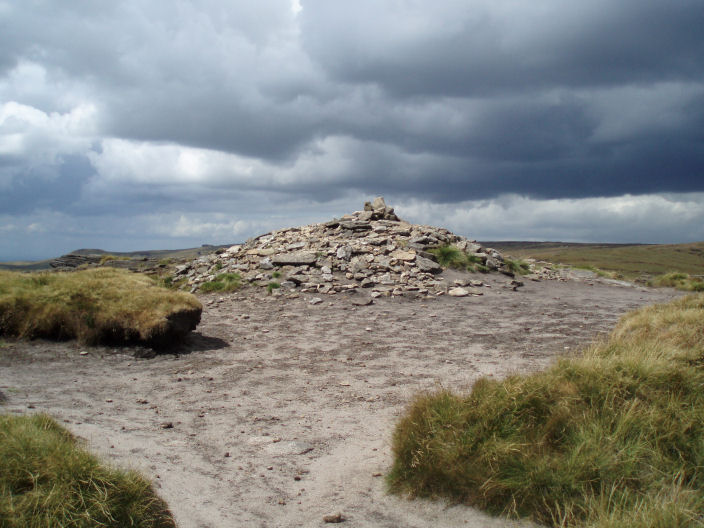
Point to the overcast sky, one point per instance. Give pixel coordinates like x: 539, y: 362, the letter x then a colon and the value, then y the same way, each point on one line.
x: 164, y: 124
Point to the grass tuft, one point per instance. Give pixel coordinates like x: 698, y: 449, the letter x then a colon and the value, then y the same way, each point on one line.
x: 517, y: 266
x: 225, y: 282
x: 611, y: 439
x: 450, y: 256
x: 48, y: 480
x: 679, y: 280
x: 96, y: 306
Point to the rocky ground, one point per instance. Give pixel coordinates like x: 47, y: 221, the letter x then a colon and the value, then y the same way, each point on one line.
x: 277, y: 412
x: 370, y: 252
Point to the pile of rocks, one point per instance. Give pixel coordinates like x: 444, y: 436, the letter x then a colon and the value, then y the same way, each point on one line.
x: 72, y: 261
x: 370, y: 250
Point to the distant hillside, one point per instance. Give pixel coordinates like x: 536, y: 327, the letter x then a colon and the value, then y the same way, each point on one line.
x: 188, y: 253
x: 631, y: 260
x: 155, y: 254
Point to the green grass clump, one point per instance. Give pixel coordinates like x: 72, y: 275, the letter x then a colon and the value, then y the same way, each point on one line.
x: 167, y: 281
x: 517, y: 266
x: 681, y: 281
x: 272, y: 286
x: 225, y: 282
x: 102, y: 305
x: 48, y: 480
x: 450, y: 257
x: 612, y: 439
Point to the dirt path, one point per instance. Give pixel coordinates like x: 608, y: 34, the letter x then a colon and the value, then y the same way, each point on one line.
x: 282, y: 411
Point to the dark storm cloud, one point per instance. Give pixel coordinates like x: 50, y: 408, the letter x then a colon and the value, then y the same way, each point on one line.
x: 480, y: 48
x: 132, y: 108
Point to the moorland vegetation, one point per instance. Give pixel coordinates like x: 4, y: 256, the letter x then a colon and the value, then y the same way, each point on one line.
x: 609, y: 439
x: 49, y: 480
x: 678, y: 266
x: 95, y: 306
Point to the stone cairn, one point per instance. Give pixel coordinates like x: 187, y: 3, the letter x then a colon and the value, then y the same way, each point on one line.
x: 367, y: 251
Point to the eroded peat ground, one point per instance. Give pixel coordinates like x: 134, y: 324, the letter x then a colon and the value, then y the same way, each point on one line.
x: 277, y: 412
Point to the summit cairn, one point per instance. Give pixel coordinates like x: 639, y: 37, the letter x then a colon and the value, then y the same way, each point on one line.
x: 367, y: 251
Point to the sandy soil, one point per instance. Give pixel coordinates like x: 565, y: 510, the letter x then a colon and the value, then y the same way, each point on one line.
x: 282, y: 411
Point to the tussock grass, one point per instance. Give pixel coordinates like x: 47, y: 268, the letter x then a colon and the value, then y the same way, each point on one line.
x: 517, y: 266
x: 612, y: 439
x: 225, y: 282
x: 48, y: 480
x: 102, y: 305
x: 679, y: 280
x: 450, y: 256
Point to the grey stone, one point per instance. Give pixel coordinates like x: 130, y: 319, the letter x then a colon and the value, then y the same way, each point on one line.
x: 356, y: 225
x: 344, y: 253
x: 266, y: 264
x: 427, y: 265
x: 423, y: 240
x: 358, y: 264
x: 403, y: 255
x: 297, y: 279
x: 379, y: 204
x: 298, y: 258
x: 362, y: 301
x: 495, y: 254
x: 492, y: 263
x: 288, y: 448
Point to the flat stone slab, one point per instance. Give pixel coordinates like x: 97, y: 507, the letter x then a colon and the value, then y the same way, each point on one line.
x: 428, y: 265
x: 297, y: 258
